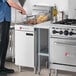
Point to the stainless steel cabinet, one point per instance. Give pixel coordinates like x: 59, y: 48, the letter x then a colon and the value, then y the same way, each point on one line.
x: 24, y: 46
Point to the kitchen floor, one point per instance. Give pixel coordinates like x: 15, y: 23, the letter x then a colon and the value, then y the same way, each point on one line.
x: 30, y: 72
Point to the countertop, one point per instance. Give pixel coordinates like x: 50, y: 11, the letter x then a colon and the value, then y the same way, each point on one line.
x: 44, y: 25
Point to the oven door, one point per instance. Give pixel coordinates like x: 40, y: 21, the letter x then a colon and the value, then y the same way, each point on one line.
x: 63, y: 51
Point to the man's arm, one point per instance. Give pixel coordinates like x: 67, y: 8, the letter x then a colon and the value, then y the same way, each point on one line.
x: 16, y: 6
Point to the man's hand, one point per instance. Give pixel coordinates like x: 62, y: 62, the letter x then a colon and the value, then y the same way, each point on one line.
x: 16, y: 6
x: 22, y: 11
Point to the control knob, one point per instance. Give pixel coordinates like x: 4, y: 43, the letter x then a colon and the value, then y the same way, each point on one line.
x: 60, y: 32
x: 54, y: 32
x: 66, y: 32
x: 72, y: 33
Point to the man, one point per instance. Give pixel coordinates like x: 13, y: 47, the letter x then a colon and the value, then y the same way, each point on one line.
x: 5, y: 19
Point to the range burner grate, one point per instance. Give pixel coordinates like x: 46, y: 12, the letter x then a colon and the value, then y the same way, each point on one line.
x: 67, y: 22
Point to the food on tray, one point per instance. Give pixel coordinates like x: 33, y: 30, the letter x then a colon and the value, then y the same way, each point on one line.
x: 42, y: 19
x: 37, y: 20
x: 32, y: 21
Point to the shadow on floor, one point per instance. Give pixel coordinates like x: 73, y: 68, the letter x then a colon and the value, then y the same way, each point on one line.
x: 3, y: 74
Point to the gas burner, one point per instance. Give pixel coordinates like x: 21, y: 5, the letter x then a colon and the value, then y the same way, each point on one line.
x: 66, y: 22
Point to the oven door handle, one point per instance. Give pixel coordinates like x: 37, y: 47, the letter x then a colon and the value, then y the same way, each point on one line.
x: 64, y: 43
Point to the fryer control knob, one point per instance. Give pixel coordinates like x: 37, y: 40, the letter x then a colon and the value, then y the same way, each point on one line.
x: 66, y: 32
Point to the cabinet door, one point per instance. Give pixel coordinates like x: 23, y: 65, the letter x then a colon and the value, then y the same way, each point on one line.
x: 29, y: 49
x: 24, y: 48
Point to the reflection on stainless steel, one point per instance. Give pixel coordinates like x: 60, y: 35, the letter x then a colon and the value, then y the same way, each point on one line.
x: 21, y: 23
x: 51, y: 13
x: 25, y: 23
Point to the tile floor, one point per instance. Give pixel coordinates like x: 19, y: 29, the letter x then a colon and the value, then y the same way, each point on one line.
x: 30, y: 72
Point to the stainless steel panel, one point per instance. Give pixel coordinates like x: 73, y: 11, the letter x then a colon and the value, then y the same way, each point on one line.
x: 63, y: 51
